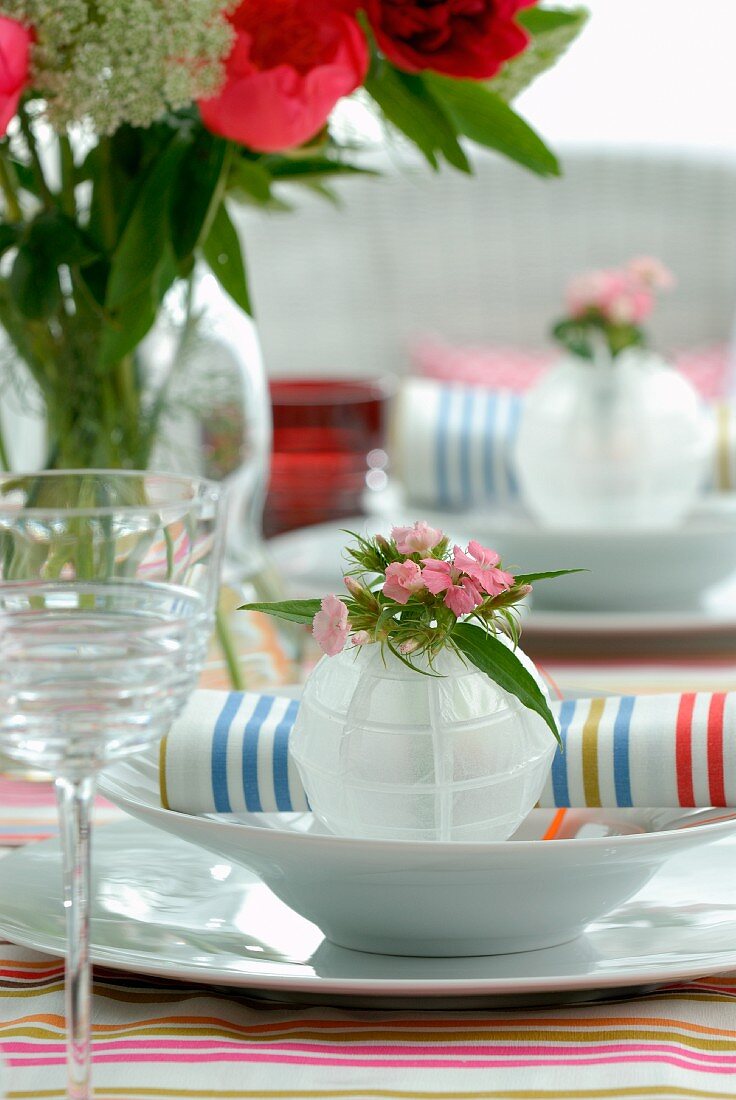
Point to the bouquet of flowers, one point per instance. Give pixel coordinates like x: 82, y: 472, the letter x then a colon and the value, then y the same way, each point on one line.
x: 127, y: 126
x: 416, y: 596
x: 608, y: 308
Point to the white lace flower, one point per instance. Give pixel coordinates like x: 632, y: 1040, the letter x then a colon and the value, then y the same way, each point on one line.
x: 113, y: 61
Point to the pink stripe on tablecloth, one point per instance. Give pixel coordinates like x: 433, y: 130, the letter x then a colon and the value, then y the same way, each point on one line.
x: 387, y: 1063
x: 403, y: 1054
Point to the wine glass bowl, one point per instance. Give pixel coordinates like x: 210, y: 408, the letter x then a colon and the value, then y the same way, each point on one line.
x: 108, y: 587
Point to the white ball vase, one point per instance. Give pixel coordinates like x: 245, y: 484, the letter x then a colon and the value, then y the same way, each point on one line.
x: 616, y: 445
x: 387, y: 753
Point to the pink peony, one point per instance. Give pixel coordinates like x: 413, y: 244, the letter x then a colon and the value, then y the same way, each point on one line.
x: 330, y: 627
x: 289, y: 64
x: 403, y: 578
x: 481, y: 564
x: 461, y: 592
x: 15, y: 44
x: 418, y: 539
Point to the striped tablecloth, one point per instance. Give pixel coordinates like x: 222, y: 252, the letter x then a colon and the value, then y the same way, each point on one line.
x: 181, y: 1042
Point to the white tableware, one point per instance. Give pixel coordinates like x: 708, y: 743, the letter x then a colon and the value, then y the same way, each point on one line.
x: 428, y: 898
x: 612, y: 443
x: 630, y: 571
x: 165, y: 908
x: 386, y: 753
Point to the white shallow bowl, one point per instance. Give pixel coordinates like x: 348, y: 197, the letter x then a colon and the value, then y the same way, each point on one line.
x: 434, y: 899
x: 629, y: 570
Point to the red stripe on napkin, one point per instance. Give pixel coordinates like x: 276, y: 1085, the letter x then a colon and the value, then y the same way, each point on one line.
x: 716, y: 779
x: 684, y: 750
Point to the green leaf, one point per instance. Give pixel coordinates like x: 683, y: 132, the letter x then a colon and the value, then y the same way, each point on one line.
x: 295, y: 611
x: 408, y: 103
x: 34, y: 284
x: 484, y: 117
x: 223, y: 253
x: 128, y: 324
x: 9, y: 236
x: 196, y: 191
x: 532, y: 578
x: 502, y: 666
x: 552, y: 30
x: 146, y: 234
x: 293, y: 168
x: 252, y: 179
x: 59, y: 238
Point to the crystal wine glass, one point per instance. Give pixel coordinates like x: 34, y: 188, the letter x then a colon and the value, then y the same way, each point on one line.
x: 108, y: 584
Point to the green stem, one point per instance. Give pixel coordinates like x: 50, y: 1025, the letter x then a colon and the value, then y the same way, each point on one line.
x: 105, y: 195
x: 12, y: 203
x: 225, y: 641
x: 66, y: 165
x: 4, y: 457
x: 43, y: 188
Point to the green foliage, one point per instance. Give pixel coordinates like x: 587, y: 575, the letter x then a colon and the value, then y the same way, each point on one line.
x: 294, y: 611
x: 552, y: 31
x: 584, y: 335
x: 483, y: 116
x: 502, y: 666
x: 532, y: 578
x: 408, y: 104
x: 224, y: 255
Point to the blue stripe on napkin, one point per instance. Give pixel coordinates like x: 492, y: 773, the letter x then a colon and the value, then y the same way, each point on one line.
x: 281, y: 787
x: 560, y: 786
x: 219, y: 751
x: 489, y: 442
x: 621, y: 770
x: 250, y: 753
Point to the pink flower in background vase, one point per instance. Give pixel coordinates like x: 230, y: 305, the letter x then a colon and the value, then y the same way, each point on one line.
x: 420, y: 538
x: 403, y: 579
x: 481, y: 564
x: 15, y: 45
x: 290, y: 63
x: 622, y: 296
x: 461, y: 592
x: 330, y: 626
x: 652, y: 272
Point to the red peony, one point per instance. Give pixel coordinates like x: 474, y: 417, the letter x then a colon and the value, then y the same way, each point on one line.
x: 290, y: 63
x: 15, y: 42
x: 462, y: 38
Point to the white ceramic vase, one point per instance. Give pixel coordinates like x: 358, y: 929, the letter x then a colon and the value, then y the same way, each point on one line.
x: 617, y: 444
x: 385, y: 752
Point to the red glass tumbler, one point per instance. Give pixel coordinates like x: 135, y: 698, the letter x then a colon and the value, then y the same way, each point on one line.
x: 328, y: 449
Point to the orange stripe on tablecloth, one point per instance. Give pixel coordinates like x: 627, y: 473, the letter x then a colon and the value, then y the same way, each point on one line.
x: 684, y: 750
x: 555, y: 825
x: 716, y: 777
x: 591, y: 778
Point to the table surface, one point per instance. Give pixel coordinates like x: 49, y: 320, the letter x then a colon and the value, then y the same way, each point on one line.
x: 180, y: 1042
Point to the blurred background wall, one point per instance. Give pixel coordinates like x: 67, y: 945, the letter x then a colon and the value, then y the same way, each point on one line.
x: 642, y: 112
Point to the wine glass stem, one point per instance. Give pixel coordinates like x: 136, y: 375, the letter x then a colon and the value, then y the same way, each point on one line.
x: 75, y: 797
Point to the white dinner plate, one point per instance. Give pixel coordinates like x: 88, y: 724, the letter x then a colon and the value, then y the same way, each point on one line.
x: 166, y: 908
x: 403, y: 897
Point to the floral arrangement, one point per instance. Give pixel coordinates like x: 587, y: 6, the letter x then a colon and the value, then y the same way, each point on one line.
x: 416, y: 595
x: 607, y: 309
x: 128, y: 126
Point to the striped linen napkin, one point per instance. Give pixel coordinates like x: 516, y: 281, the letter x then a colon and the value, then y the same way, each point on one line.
x: 229, y: 752
x: 452, y: 445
